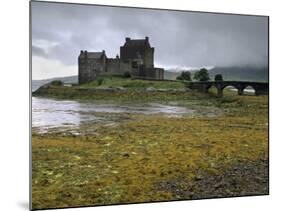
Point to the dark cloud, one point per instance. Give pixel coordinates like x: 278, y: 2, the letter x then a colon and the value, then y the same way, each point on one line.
x: 180, y: 38
x: 38, y: 51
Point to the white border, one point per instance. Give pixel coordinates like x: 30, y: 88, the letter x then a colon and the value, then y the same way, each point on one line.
x: 15, y: 103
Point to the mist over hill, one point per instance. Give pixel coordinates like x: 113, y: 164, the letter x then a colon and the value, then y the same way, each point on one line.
x: 245, y: 73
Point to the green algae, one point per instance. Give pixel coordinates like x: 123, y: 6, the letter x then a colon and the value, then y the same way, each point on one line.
x: 126, y: 163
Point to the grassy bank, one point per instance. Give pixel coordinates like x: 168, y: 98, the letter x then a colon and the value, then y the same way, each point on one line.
x: 155, y: 158
x: 118, y: 89
x: 111, y: 81
x: 110, y: 94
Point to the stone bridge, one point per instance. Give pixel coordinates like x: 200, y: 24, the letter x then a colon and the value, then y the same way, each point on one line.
x: 261, y: 88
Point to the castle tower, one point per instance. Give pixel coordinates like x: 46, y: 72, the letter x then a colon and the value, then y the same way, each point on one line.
x: 90, y: 64
x: 133, y: 49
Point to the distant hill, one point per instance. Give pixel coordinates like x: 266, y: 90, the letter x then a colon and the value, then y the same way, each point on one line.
x: 245, y: 73
x: 169, y: 75
x: 68, y: 79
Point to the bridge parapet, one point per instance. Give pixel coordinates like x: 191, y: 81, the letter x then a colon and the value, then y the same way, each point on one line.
x: 261, y: 88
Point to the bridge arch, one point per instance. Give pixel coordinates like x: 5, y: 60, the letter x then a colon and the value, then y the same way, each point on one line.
x: 251, y: 88
x: 234, y: 87
x: 238, y: 86
x: 260, y: 88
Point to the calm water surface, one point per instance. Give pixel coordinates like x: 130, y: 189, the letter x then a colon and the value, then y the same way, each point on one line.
x: 49, y: 114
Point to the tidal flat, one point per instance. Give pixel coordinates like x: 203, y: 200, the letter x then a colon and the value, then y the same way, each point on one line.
x: 220, y: 149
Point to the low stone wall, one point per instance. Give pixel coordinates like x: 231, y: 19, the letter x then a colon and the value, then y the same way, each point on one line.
x: 148, y: 73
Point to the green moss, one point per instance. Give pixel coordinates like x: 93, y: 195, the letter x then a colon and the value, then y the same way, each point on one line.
x: 124, y: 164
x: 114, y: 95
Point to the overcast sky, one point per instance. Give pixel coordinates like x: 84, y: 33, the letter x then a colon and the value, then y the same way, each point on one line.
x: 181, y: 39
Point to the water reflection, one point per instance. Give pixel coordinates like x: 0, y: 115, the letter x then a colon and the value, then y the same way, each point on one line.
x: 69, y: 114
x: 248, y: 90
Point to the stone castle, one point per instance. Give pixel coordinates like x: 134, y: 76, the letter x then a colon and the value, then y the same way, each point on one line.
x: 136, y: 58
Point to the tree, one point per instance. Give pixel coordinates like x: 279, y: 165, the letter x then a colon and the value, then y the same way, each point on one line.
x: 202, y: 75
x: 185, y: 75
x: 57, y: 83
x: 218, y: 77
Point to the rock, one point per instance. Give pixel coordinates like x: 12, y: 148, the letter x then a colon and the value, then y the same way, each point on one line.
x: 218, y: 185
x: 121, y: 88
x: 150, y: 89
x: 164, y: 90
x: 126, y: 155
x: 198, y: 177
x: 244, y: 178
x: 181, y: 90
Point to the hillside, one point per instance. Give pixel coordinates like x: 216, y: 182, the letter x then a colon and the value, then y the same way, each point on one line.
x: 68, y: 79
x: 246, y: 73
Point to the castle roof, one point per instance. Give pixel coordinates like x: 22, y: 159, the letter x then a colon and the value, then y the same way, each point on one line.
x: 137, y: 42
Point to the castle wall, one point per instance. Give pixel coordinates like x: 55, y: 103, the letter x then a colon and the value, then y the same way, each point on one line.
x: 148, y: 73
x: 126, y: 54
x: 112, y: 66
x: 159, y: 73
x: 125, y: 67
x: 130, y: 54
x: 117, y: 67
x: 90, y: 68
x: 85, y: 73
x: 149, y: 57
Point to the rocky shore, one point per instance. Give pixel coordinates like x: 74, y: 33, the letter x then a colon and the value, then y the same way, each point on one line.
x: 243, y: 179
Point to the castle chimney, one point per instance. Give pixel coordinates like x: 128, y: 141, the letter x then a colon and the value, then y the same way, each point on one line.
x: 81, y: 52
x: 128, y: 39
x: 103, y: 51
x: 146, y: 38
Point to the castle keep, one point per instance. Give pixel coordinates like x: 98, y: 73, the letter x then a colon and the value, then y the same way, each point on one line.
x: 136, y: 58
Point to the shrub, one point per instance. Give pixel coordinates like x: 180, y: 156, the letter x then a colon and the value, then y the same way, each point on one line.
x: 100, y: 81
x: 179, y: 77
x: 127, y: 75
